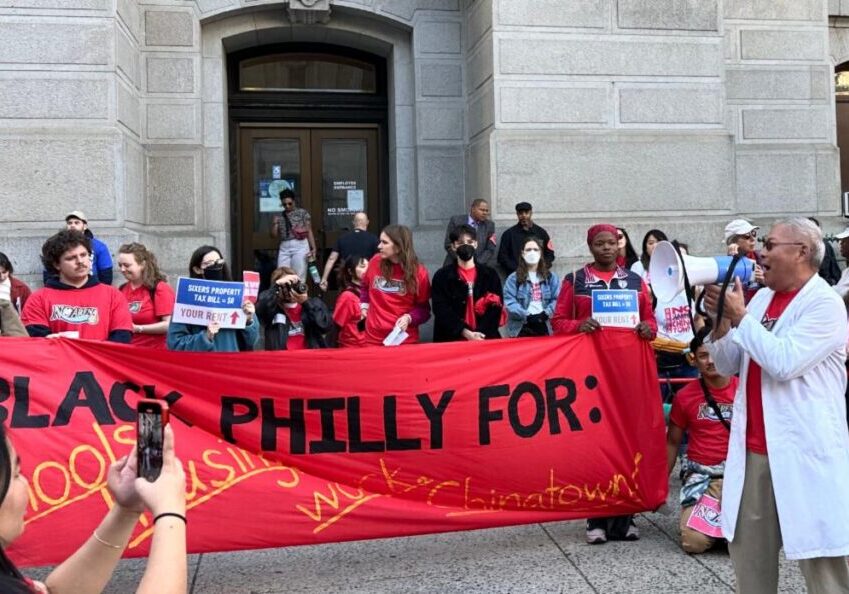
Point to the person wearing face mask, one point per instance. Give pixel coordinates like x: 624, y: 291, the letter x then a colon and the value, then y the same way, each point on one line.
x: 530, y: 293
x: 466, y: 295
x: 573, y: 315
x: 206, y: 262
x: 293, y: 320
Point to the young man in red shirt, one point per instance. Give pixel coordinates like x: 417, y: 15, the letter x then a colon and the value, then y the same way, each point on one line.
x: 696, y: 410
x: 73, y: 303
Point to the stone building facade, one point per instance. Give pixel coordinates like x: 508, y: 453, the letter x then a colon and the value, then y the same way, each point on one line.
x: 678, y: 114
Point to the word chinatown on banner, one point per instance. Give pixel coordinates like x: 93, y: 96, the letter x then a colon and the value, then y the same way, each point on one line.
x: 291, y: 448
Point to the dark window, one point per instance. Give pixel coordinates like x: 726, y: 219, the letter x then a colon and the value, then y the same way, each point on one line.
x: 307, y: 72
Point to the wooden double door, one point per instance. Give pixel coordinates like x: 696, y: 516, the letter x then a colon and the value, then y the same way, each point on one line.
x: 333, y: 171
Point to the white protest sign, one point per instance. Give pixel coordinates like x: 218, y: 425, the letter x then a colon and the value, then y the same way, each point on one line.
x: 201, y: 302
x: 616, y: 308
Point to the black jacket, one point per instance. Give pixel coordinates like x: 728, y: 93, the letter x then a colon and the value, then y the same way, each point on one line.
x: 315, y: 318
x: 829, y: 269
x: 512, y: 241
x: 449, y: 293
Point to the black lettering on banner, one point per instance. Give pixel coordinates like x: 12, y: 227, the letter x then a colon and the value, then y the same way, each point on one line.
x: 20, y: 411
x: 5, y: 392
x: 434, y: 415
x: 171, y: 398
x: 390, y: 426
x: 356, y: 445
x: 563, y: 404
x: 486, y: 416
x: 328, y: 443
x: 84, y: 384
x: 271, y: 422
x: 513, y: 410
x: 230, y: 417
x: 118, y: 401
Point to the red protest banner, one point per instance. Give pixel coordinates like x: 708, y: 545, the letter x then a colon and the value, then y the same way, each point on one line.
x: 308, y: 447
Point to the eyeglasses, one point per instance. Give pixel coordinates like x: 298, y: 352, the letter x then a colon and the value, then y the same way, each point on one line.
x: 770, y: 244
x: 205, y: 265
x: 749, y: 235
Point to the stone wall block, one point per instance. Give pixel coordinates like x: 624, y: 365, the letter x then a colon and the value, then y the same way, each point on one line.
x: 103, y: 5
x: 644, y: 173
x: 213, y: 124
x: 671, y: 105
x: 478, y: 170
x: 481, y: 114
x: 168, y: 27
x: 782, y: 45
x: 688, y: 15
x: 170, y: 74
x: 553, y: 13
x: 614, y: 56
x: 478, y: 21
x: 128, y: 12
x: 127, y: 57
x: 795, y: 124
x: 556, y: 105
x: 87, y: 42
x: 129, y: 111
x: 439, y: 79
x: 773, y: 181
x: 25, y: 97
x: 438, y: 37
x: 776, y: 83
x: 442, y: 168
x: 479, y: 65
x: 47, y: 180
x: 173, y: 121
x: 133, y: 162
x: 784, y: 10
x: 170, y: 184
x: 440, y: 122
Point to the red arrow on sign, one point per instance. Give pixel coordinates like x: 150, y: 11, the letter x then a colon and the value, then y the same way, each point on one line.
x: 234, y: 317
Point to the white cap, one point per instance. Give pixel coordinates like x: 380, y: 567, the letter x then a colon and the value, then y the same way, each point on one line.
x: 76, y: 214
x: 843, y: 234
x: 739, y: 227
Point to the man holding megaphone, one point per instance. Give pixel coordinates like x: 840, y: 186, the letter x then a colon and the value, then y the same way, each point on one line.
x: 787, y: 471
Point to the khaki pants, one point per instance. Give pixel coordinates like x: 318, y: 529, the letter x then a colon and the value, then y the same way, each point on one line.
x: 693, y: 541
x: 757, y: 540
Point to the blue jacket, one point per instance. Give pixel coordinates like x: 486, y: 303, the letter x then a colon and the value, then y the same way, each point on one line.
x: 517, y: 298
x: 189, y: 337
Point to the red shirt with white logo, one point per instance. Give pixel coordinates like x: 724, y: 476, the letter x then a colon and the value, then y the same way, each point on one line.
x: 145, y: 312
x: 708, y: 443
x: 389, y: 299
x: 755, y: 429
x: 297, y: 340
x: 93, y: 311
x: 346, y: 315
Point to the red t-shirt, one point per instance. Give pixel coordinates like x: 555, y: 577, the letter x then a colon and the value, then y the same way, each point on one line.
x: 755, y: 429
x: 93, y: 311
x: 605, y: 275
x: 144, y: 311
x: 296, y: 341
x: 468, y: 276
x: 389, y: 300
x: 346, y: 315
x: 708, y: 443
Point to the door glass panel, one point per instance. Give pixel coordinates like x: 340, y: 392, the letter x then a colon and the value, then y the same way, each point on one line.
x: 344, y: 177
x: 277, y: 166
x: 307, y: 72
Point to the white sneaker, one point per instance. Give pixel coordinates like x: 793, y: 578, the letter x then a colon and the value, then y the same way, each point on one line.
x: 596, y: 536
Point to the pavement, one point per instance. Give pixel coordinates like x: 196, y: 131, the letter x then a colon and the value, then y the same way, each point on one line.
x: 551, y: 557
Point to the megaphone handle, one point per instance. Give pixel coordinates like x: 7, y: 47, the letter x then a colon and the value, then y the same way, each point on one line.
x: 729, y: 274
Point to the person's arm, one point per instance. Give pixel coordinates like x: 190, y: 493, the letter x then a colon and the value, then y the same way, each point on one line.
x: 646, y: 312
x: 103, y: 260
x: 328, y: 267
x: 515, y: 311
x: 160, y: 327
x: 674, y: 435
x: 120, y: 321
x: 251, y: 331
x: 506, y: 259
x: 562, y: 322
x: 487, y: 253
x: 442, y: 306
x: 421, y: 309
x: 120, y: 336
x: 311, y: 240
x: 555, y: 293
x: 548, y: 248
x: 181, y: 338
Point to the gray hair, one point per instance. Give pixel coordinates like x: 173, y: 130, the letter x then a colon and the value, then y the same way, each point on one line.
x: 810, y: 234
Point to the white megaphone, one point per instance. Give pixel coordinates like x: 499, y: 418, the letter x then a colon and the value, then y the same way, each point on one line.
x: 666, y: 271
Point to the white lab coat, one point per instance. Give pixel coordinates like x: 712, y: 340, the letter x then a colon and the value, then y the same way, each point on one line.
x: 803, y: 385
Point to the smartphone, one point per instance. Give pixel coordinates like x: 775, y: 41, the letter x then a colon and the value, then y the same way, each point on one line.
x: 361, y: 325
x: 150, y: 437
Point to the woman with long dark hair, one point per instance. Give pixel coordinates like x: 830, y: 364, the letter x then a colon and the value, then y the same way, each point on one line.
x: 347, y: 315
x: 207, y: 262
x: 396, y: 288
x: 88, y: 570
x: 530, y: 293
x: 150, y: 297
x: 650, y: 239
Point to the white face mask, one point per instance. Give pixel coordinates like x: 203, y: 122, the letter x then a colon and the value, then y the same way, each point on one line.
x: 531, y: 257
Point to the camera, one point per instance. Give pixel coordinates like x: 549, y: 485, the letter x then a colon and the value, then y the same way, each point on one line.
x: 286, y: 289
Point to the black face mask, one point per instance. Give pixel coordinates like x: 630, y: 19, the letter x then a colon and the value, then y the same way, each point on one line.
x: 214, y: 272
x: 465, y: 252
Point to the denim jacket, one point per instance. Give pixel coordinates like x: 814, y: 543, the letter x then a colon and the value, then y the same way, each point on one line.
x: 517, y: 298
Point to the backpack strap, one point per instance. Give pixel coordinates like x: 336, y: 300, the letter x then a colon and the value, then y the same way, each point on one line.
x: 713, y: 404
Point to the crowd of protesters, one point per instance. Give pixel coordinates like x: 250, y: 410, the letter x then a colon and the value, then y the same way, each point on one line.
x: 386, y: 294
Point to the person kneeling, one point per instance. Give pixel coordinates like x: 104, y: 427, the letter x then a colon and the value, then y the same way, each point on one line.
x: 703, y: 408
x: 293, y: 320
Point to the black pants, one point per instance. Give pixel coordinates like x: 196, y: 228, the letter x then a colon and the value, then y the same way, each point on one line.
x: 615, y: 527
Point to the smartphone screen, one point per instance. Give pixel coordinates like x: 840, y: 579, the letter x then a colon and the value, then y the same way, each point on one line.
x: 152, y: 418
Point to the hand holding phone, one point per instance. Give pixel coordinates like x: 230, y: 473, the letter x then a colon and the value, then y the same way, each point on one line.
x: 150, y: 437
